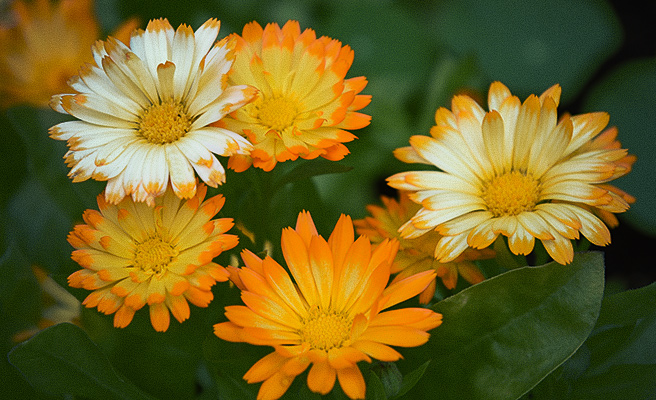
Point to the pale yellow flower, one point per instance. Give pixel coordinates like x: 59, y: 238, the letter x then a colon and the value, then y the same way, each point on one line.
x: 515, y: 170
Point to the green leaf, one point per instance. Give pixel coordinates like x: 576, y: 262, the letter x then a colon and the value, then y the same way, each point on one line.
x: 411, y: 379
x: 618, y: 361
x: 388, y: 374
x: 62, y: 360
x: 501, y: 337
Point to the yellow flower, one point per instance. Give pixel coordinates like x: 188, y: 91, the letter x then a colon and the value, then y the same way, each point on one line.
x: 331, y: 314
x: 416, y: 255
x: 304, y: 104
x: 44, y: 44
x: 515, y: 170
x: 135, y: 255
x: 144, y: 112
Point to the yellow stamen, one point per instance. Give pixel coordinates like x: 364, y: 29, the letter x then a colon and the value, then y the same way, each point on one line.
x: 164, y: 123
x: 277, y: 113
x: 325, y: 330
x: 153, y: 255
x: 511, y: 194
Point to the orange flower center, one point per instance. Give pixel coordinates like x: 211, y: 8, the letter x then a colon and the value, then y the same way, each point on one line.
x: 511, y: 194
x: 164, y: 123
x: 277, y: 113
x: 153, y: 255
x: 325, y: 330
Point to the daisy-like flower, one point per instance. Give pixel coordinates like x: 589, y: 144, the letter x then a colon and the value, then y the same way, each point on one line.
x: 59, y: 306
x: 517, y: 171
x: 144, y: 112
x: 304, y: 105
x: 416, y: 255
x: 135, y: 255
x: 330, y: 315
x: 42, y: 44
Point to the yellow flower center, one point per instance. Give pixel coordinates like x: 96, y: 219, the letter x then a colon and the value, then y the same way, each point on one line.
x: 153, y: 255
x: 511, y: 194
x: 325, y: 330
x: 164, y: 123
x: 277, y: 113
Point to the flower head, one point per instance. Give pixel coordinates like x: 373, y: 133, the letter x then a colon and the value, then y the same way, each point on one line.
x: 44, y: 45
x: 304, y: 104
x: 59, y: 306
x: 330, y: 315
x: 517, y: 171
x: 144, y: 112
x: 416, y: 255
x: 135, y: 255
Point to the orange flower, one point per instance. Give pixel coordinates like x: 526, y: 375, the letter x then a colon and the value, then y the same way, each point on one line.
x: 515, y: 170
x: 331, y: 314
x: 135, y: 255
x: 304, y: 104
x: 416, y: 255
x: 44, y: 46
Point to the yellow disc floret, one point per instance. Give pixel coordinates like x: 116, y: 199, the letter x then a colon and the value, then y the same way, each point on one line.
x: 153, y: 255
x: 277, y: 113
x: 164, y: 123
x: 325, y: 330
x: 511, y: 194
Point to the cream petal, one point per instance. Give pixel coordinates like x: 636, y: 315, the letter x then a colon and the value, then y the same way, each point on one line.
x: 183, y: 44
x: 497, y: 94
x: 220, y: 141
x: 586, y: 127
x: 525, y: 131
x: 450, y: 247
x: 216, y: 108
x: 443, y: 154
x: 182, y: 174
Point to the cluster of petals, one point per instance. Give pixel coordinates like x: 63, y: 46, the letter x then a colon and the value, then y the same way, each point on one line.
x: 143, y: 112
x: 517, y: 171
x: 304, y: 106
x: 135, y: 255
x: 42, y: 44
x: 416, y: 255
x: 330, y: 315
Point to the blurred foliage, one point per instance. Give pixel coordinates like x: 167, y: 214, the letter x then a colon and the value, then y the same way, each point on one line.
x: 415, y: 55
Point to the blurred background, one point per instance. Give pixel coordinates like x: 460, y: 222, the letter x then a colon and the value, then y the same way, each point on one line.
x: 416, y: 56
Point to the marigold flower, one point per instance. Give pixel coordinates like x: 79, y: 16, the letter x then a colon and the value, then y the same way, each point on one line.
x: 517, y: 171
x: 43, y: 45
x: 304, y: 104
x: 59, y: 306
x: 135, y: 255
x: 145, y: 111
x: 416, y: 255
x: 331, y: 314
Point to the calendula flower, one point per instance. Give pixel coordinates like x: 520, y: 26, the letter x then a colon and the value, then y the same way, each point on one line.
x: 330, y: 315
x: 135, y: 255
x: 517, y: 171
x: 144, y: 112
x: 59, y: 306
x: 304, y: 105
x: 42, y: 44
x: 416, y: 255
